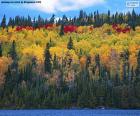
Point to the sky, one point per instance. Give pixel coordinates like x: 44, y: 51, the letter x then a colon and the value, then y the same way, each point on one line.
x: 70, y: 8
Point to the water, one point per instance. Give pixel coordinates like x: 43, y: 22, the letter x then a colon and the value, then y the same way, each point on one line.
x: 69, y: 112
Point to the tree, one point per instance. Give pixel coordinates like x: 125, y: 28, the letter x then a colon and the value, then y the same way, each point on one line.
x: 0, y: 49
x: 133, y: 20
x: 40, y: 21
x: 97, y: 63
x: 47, y: 62
x: 52, y: 19
x: 55, y: 62
x: 70, y: 44
x: 3, y: 23
x: 108, y: 17
x: 13, y: 55
x: 125, y: 64
x: 10, y: 23
x: 138, y: 65
x: 61, y: 30
x: 12, y: 52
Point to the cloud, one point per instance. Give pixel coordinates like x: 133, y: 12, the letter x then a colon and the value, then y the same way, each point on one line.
x: 52, y: 6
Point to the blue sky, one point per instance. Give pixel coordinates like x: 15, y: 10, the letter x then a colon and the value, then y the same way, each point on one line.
x: 59, y: 7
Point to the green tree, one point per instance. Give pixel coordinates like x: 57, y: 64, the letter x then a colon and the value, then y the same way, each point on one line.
x: 12, y: 51
x: 3, y: 23
x: 0, y: 49
x: 70, y: 44
x: 52, y: 19
x: 10, y: 23
x: 61, y: 30
x: 13, y: 55
x: 47, y: 62
x: 133, y: 20
x: 108, y: 17
x: 138, y: 65
x: 55, y: 62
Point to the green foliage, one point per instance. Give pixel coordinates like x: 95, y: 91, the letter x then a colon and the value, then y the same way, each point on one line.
x: 0, y: 49
x: 61, y: 30
x: 12, y: 51
x: 47, y: 61
x: 70, y: 44
x: 138, y: 65
x: 3, y: 23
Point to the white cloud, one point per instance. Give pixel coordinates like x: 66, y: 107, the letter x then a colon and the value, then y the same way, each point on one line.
x: 52, y: 6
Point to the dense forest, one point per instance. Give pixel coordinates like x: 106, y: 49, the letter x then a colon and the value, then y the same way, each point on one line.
x: 82, y: 62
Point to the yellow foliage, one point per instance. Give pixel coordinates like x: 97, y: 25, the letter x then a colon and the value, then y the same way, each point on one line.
x: 34, y: 51
x: 63, y: 53
x: 4, y: 62
x: 83, y: 45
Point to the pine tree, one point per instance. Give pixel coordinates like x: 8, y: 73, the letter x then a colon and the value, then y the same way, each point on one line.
x: 61, y: 30
x: 108, y: 17
x: 64, y: 20
x: 55, y: 62
x: 29, y: 22
x: 70, y: 44
x: 10, y: 23
x: 97, y: 63
x: 52, y: 19
x: 47, y: 62
x: 40, y: 21
x: 125, y: 64
x: 3, y: 23
x: 0, y: 49
x: 13, y: 55
x: 12, y: 52
x: 133, y: 20
x: 138, y: 65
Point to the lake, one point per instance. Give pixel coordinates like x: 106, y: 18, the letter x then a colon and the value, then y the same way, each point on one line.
x: 69, y: 112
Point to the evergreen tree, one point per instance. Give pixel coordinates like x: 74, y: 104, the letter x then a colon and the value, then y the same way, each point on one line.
x: 138, y: 65
x: 97, y: 63
x: 40, y: 21
x: 0, y: 49
x: 18, y: 21
x: 29, y: 21
x: 12, y: 52
x: 3, y: 23
x: 61, y: 30
x: 55, y: 62
x: 133, y: 20
x: 47, y: 62
x: 13, y: 55
x: 70, y: 44
x: 64, y: 20
x: 10, y: 23
x: 52, y: 19
x: 125, y: 60
x: 108, y: 17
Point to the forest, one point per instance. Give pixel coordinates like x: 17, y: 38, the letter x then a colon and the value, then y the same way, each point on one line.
x: 87, y: 61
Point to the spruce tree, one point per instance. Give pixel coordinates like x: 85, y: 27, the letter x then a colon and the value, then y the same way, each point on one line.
x: 61, y: 30
x: 3, y: 23
x: 70, y: 44
x: 12, y: 52
x: 10, y: 23
x: 55, y: 62
x: 97, y: 63
x: 108, y: 17
x: 13, y: 55
x: 52, y: 19
x: 47, y: 62
x: 0, y: 49
x: 138, y: 65
x: 133, y: 20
